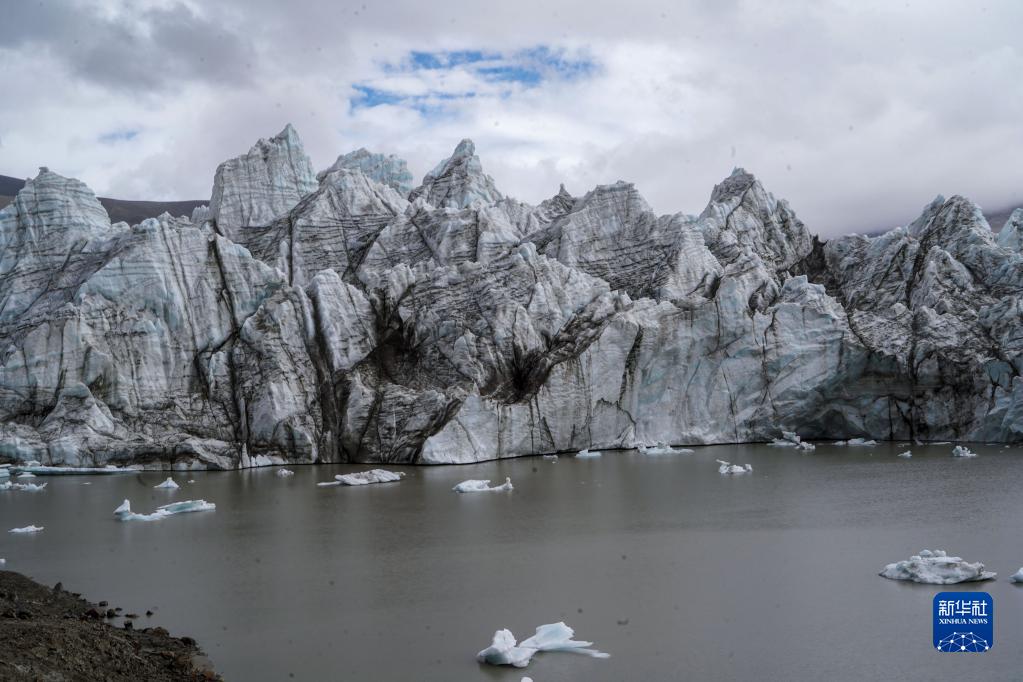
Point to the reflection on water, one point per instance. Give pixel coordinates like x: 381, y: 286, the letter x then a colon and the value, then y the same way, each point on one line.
x: 677, y: 571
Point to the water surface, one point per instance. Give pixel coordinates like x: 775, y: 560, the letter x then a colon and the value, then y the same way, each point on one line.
x: 677, y: 571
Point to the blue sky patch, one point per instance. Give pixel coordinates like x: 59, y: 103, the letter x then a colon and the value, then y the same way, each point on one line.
x: 115, y: 136
x: 499, y: 74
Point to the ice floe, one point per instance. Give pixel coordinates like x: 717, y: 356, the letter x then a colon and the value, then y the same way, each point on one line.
x: 477, y: 486
x: 285, y: 473
x: 662, y: 449
x: 169, y: 484
x: 42, y: 470
x: 588, y: 454
x: 1017, y: 577
x: 26, y: 529
x: 364, y: 478
x: 936, y: 568
x: 552, y: 637
x: 551, y: 458
x: 790, y: 439
x: 124, y: 512
x: 907, y: 453
x: 962, y: 451
x: 26, y: 487
x: 856, y: 442
x: 729, y: 468
x: 26, y: 474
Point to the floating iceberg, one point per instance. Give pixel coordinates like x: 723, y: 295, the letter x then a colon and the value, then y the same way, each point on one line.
x: 936, y: 568
x: 41, y: 470
x: 26, y: 529
x: 124, y: 512
x: 962, y: 451
x: 729, y: 468
x: 5, y: 470
x: 552, y: 458
x: 27, y: 487
x: 1017, y: 577
x: 3, y: 562
x: 552, y: 637
x: 907, y: 453
x: 367, y: 477
x: 662, y: 449
x: 285, y: 473
x: 26, y: 474
x: 588, y: 454
x: 854, y: 442
x: 169, y: 484
x: 476, y: 486
x: 790, y: 439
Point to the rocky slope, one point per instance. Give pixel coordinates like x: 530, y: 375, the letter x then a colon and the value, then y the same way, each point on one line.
x: 346, y: 317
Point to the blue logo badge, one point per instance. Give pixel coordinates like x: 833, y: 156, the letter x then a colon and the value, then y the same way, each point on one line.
x: 964, y: 622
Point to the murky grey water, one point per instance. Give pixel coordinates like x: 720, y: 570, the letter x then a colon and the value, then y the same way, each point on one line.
x: 677, y: 571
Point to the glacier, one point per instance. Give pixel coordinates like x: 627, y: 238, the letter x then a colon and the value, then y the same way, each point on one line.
x: 350, y: 316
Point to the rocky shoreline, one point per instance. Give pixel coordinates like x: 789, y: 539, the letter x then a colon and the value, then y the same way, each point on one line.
x: 49, y: 633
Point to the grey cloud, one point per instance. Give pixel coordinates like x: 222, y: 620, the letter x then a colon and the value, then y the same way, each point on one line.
x: 135, y: 50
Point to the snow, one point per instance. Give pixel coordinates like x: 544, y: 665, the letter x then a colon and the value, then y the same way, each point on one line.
x: 962, y: 451
x: 936, y: 568
x: 907, y: 453
x: 124, y: 512
x: 729, y: 468
x: 588, y: 454
x: 169, y: 484
x: 367, y: 477
x: 663, y: 449
x: 285, y: 473
x: 27, y: 487
x: 552, y: 637
x: 26, y: 529
x: 477, y: 486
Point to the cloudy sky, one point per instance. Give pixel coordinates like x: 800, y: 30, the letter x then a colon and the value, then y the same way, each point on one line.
x: 858, y: 112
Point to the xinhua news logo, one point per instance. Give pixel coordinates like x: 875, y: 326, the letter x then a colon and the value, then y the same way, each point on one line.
x: 964, y: 622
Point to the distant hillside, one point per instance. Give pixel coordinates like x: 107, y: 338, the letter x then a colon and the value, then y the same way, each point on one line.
x: 119, y: 209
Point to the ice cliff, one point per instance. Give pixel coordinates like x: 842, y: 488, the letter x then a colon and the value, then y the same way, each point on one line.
x: 348, y: 316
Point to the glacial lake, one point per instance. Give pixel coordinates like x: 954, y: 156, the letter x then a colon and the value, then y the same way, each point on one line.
x: 675, y: 570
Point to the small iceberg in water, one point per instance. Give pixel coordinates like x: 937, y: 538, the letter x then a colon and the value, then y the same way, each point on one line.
x: 26, y: 530
x: 553, y: 637
x: 285, y: 473
x: 790, y: 439
x: 365, y: 478
x: 124, y: 512
x: 27, y: 487
x: 1017, y: 577
x: 588, y: 454
x: 936, y: 568
x: 907, y: 453
x: 729, y: 468
x: 962, y: 451
x: 477, y: 486
x: 662, y: 449
x: 551, y: 458
x: 857, y: 442
x: 169, y: 484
